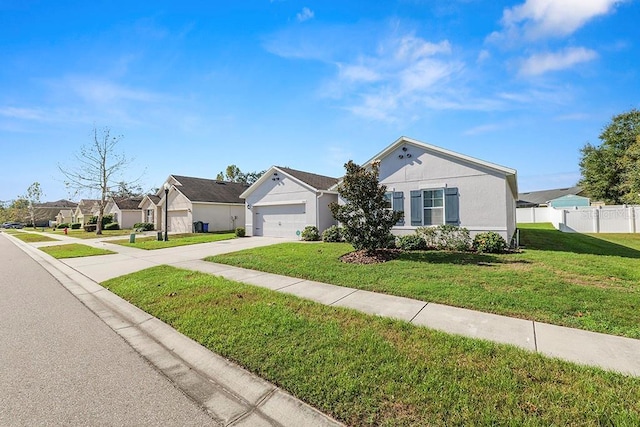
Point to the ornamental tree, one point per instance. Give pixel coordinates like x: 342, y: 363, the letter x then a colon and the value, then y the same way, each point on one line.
x: 364, y: 216
x: 611, y: 171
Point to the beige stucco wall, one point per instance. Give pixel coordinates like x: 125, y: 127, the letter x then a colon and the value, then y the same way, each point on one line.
x: 220, y: 216
x: 486, y: 203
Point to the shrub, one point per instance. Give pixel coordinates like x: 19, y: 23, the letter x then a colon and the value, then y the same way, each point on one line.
x: 63, y: 225
x: 446, y: 237
x: 112, y: 226
x: 76, y: 226
x: 489, y: 242
x: 240, y: 232
x: 333, y: 234
x: 106, y: 219
x: 310, y: 233
x: 412, y: 242
x: 90, y: 228
x: 144, y: 226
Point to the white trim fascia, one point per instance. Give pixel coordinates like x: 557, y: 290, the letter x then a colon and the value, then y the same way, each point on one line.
x: 278, y: 203
x: 218, y: 203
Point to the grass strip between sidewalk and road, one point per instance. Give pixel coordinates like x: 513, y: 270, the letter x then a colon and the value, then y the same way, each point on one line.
x: 590, y: 282
x: 151, y: 243
x: 74, y: 250
x: 33, y: 237
x: 367, y: 370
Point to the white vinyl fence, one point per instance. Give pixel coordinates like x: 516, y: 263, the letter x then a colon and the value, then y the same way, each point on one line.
x: 605, y: 219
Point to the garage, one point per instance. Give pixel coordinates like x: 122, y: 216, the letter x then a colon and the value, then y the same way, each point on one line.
x: 279, y: 220
x: 179, y: 222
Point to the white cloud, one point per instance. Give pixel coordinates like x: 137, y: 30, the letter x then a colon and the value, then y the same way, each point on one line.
x: 403, y: 72
x: 537, y: 19
x: 23, y: 113
x: 305, y: 14
x: 482, y: 129
x: 553, y: 61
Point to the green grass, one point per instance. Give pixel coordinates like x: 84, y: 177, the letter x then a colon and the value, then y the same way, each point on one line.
x: 575, y: 280
x: 32, y: 237
x: 74, y: 250
x: 151, y: 243
x: 81, y: 234
x: 367, y: 370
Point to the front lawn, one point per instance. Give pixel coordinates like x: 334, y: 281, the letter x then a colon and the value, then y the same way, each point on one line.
x: 81, y: 234
x: 150, y: 243
x: 32, y: 237
x: 74, y: 250
x: 367, y: 370
x: 575, y: 280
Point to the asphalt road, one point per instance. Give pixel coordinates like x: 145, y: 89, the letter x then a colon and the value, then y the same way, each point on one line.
x: 61, y: 365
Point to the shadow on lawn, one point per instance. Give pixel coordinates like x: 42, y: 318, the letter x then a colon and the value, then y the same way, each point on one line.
x: 554, y: 240
x: 461, y: 258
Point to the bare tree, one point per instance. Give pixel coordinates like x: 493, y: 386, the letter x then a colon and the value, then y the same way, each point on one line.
x: 33, y: 195
x: 98, y: 168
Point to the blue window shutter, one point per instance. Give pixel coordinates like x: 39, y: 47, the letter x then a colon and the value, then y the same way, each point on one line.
x: 416, y: 207
x: 452, y: 206
x: 398, y: 204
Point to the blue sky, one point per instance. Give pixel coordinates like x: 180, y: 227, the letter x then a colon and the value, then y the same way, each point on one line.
x: 194, y: 86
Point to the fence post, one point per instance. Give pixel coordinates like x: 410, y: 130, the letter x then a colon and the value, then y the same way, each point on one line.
x: 632, y: 220
x: 596, y: 220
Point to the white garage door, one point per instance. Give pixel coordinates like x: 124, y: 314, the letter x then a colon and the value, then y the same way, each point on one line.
x: 179, y: 222
x: 279, y: 220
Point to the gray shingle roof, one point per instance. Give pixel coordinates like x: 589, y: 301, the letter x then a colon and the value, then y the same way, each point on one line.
x: 86, y: 205
x: 128, y: 203
x: 210, y: 190
x: 57, y: 204
x: 319, y: 182
x: 543, y: 196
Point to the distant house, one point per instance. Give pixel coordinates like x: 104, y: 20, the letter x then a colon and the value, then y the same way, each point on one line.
x: 215, y: 203
x: 284, y: 201
x: 85, y: 210
x: 149, y: 209
x: 125, y: 210
x: 65, y: 216
x: 557, y: 198
x: 48, y: 211
x: 431, y: 185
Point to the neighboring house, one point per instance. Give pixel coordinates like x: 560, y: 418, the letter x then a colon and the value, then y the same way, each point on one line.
x: 431, y: 185
x: 558, y: 197
x: 85, y: 210
x: 284, y: 201
x: 216, y: 203
x: 65, y: 216
x: 125, y: 210
x: 150, y: 210
x: 48, y: 211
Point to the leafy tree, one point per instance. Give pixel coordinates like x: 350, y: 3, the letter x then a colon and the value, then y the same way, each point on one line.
x: 234, y: 174
x: 124, y: 189
x: 365, y: 219
x: 97, y: 167
x: 33, y: 196
x: 610, y: 170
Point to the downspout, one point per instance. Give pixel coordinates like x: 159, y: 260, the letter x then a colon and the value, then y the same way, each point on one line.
x: 318, y: 210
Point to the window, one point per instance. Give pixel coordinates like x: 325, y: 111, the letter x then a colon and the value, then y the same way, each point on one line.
x: 150, y: 215
x: 433, y: 207
x: 388, y: 200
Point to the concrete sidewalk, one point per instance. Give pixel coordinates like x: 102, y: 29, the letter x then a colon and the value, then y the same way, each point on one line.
x: 606, y: 351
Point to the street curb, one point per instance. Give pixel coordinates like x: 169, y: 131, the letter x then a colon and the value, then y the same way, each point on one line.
x: 229, y: 393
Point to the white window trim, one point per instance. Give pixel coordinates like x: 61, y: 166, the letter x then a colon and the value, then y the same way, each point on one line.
x: 422, y: 207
